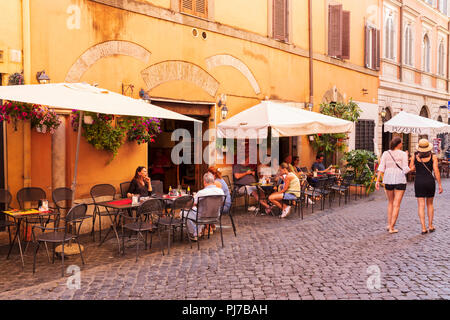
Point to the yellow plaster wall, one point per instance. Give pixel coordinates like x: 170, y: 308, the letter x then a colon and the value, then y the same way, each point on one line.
x: 10, y: 34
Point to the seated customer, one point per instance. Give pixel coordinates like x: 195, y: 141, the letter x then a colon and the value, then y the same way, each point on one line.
x: 290, y: 190
x: 210, y: 189
x: 140, y: 184
x: 319, y: 166
x: 220, y: 183
x: 244, y: 176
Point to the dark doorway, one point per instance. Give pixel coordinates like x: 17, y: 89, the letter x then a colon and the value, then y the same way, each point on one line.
x: 386, y: 136
x: 2, y: 160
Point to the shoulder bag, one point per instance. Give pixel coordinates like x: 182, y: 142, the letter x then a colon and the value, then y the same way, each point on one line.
x: 395, y: 162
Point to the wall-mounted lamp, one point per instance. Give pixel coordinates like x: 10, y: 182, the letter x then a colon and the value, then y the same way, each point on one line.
x: 309, y: 106
x: 223, y: 104
x: 144, y: 96
x: 383, y: 113
x: 42, y: 77
x: 126, y: 88
x: 365, y: 91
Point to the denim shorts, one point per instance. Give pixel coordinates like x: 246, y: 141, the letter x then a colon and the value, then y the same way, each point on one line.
x: 289, y: 196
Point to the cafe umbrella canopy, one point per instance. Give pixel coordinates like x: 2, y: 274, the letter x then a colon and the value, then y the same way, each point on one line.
x: 405, y: 122
x: 86, y: 98
x: 284, y: 120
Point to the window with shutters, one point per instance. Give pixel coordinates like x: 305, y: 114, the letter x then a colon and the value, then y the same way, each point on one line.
x: 441, y: 58
x: 408, y: 46
x: 364, y: 135
x: 426, y: 54
x: 389, y: 37
x: 195, y: 7
x: 372, y: 48
x: 338, y: 32
x: 280, y: 22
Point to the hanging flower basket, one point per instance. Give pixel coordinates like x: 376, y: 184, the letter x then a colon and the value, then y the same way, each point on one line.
x: 88, y: 119
x: 42, y: 129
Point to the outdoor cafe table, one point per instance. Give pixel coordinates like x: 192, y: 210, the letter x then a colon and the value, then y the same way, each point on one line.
x: 19, y: 216
x: 124, y: 205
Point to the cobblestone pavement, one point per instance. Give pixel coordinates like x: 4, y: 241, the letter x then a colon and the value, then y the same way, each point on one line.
x: 324, y: 256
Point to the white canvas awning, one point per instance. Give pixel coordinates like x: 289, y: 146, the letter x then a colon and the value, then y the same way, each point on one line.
x: 284, y: 119
x: 86, y: 98
x: 405, y: 122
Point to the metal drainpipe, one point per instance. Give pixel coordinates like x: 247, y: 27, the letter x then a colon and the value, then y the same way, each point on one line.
x: 311, y: 59
x: 26, y: 38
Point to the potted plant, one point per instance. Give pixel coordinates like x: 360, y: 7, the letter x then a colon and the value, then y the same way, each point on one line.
x: 359, y: 162
x: 13, y: 111
x: 45, y: 119
x: 140, y: 129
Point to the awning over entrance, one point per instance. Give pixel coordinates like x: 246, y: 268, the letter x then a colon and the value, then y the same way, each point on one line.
x: 285, y: 121
x: 405, y: 122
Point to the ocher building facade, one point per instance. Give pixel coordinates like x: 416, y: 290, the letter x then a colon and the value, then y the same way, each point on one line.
x: 185, y: 55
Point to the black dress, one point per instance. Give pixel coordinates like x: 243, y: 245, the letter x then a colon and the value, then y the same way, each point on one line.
x: 137, y: 188
x: 424, y: 185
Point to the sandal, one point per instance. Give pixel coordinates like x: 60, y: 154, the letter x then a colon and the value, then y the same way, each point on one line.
x: 431, y: 230
x: 393, y: 231
x: 424, y: 232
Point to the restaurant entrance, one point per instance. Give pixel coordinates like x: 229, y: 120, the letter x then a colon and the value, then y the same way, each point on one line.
x: 159, y: 153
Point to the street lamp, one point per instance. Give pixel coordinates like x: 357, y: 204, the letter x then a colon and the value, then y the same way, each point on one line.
x: 42, y: 77
x: 144, y: 95
x: 223, y: 104
x: 383, y: 113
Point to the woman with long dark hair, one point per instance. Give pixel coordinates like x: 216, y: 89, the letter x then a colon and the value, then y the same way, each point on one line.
x: 394, y: 164
x: 141, y: 183
x: 425, y: 163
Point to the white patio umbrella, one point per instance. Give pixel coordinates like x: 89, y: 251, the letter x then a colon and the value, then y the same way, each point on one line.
x: 285, y: 121
x: 405, y: 122
x: 84, y: 97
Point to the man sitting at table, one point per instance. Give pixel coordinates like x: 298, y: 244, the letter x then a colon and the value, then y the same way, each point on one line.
x: 318, y: 165
x: 210, y: 189
x: 244, y: 175
x: 290, y: 190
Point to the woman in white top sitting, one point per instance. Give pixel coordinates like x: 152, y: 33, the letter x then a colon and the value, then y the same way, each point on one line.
x: 394, y: 164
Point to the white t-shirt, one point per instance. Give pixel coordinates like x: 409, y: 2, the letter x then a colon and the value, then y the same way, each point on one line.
x: 392, y: 173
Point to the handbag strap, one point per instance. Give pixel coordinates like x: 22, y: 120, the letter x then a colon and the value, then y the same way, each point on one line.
x: 428, y: 169
x: 395, y: 161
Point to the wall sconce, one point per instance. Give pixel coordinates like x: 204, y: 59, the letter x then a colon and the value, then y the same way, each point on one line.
x: 144, y: 96
x: 126, y: 88
x: 223, y: 104
x: 383, y: 113
x: 42, y: 77
x: 365, y: 91
x: 310, y: 106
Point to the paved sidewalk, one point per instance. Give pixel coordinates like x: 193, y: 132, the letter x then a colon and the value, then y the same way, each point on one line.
x: 324, y: 256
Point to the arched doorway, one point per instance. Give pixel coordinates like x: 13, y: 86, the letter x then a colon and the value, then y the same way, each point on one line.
x: 424, y: 113
x: 386, y: 136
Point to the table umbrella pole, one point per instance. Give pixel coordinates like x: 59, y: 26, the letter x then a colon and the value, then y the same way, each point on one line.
x: 74, y: 183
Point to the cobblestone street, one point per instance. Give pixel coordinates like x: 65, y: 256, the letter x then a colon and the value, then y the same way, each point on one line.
x: 324, y: 256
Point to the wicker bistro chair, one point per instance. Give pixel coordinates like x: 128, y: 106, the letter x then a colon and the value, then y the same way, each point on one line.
x: 182, y: 206
x: 124, y: 186
x: 343, y: 187
x: 145, y: 221
x: 327, y: 190
x: 5, y: 200
x: 209, y: 211
x: 101, y: 192
x: 61, y: 235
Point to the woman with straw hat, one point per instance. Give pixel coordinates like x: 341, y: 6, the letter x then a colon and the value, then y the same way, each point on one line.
x: 425, y: 163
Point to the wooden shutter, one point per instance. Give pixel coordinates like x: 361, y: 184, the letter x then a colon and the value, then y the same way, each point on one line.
x: 335, y: 30
x: 195, y: 7
x: 377, y: 48
x: 280, y: 30
x: 345, y: 35
x: 367, y: 60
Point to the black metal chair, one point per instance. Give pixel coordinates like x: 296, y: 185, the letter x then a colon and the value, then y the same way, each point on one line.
x: 61, y: 235
x: 299, y: 202
x: 327, y: 191
x: 124, y: 186
x: 99, y: 193
x: 209, y: 211
x: 5, y: 200
x: 157, y: 187
x: 343, y: 187
x: 182, y: 205
x: 145, y: 221
x: 315, y: 191
x: 62, y: 199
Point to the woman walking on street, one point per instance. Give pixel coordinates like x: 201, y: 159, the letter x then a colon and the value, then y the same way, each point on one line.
x: 424, y: 163
x: 394, y: 164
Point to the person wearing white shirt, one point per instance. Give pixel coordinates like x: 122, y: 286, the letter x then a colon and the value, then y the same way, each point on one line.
x: 210, y: 189
x: 394, y: 165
